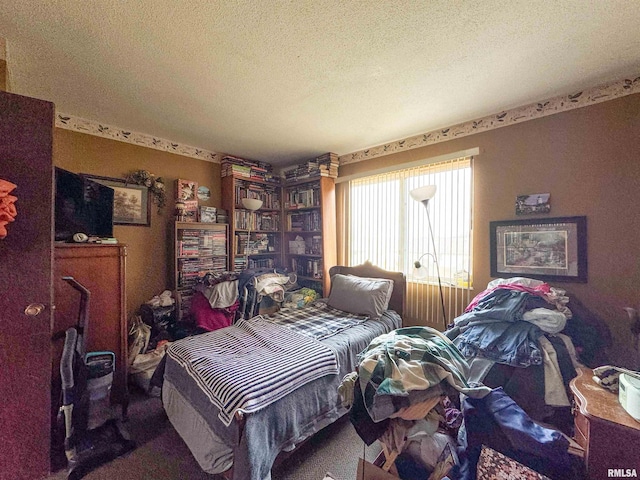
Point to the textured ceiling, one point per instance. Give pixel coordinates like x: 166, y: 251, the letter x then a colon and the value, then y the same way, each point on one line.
x: 283, y: 81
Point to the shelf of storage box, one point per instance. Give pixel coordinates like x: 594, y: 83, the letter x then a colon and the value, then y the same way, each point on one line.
x: 309, y: 238
x: 264, y: 224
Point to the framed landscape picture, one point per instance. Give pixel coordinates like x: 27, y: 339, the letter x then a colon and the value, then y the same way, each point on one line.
x: 131, y: 205
x: 553, y: 249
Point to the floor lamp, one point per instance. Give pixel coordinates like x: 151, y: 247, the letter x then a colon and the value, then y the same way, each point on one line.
x: 251, y: 204
x: 423, y: 195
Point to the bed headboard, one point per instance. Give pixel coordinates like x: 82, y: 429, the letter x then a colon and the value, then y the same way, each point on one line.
x: 367, y: 269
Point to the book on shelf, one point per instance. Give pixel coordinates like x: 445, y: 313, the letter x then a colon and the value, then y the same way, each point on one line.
x: 269, y: 194
x: 262, y: 263
x: 259, y: 244
x: 250, y: 169
x: 247, y: 220
x: 310, y: 268
x: 305, y: 221
x: 323, y: 166
x: 194, y: 242
x: 302, y: 197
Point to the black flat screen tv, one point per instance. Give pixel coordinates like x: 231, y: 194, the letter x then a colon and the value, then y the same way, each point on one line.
x: 81, y: 206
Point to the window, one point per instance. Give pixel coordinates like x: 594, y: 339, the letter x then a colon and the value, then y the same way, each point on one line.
x: 384, y: 225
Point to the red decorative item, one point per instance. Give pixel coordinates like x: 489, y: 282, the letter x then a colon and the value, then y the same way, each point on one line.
x: 7, y: 206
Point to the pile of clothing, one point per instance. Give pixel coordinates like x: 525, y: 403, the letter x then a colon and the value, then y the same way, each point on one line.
x: 215, y: 301
x: 511, y: 336
x: 412, y: 393
x: 256, y: 284
x: 405, y: 394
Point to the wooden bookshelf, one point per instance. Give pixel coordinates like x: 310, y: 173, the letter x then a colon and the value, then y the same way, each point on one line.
x: 265, y: 224
x: 198, y: 248
x: 309, y: 211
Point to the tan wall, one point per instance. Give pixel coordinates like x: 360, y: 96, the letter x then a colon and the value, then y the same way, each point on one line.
x: 149, y: 249
x: 588, y: 159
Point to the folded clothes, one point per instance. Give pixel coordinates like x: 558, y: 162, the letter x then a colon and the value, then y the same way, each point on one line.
x: 550, y: 321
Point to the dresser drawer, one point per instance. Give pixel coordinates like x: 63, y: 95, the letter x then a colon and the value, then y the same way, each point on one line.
x: 581, y: 434
x: 581, y: 423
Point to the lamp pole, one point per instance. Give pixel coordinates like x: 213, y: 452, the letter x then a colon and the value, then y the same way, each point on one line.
x: 435, y: 260
x: 251, y: 204
x: 423, y: 195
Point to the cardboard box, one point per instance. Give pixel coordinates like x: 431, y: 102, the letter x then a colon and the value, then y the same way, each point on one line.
x: 368, y: 471
x: 372, y: 471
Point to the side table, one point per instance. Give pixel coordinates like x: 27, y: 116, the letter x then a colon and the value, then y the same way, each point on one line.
x: 608, y: 434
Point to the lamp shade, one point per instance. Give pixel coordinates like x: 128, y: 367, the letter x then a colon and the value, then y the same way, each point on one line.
x: 419, y: 271
x: 252, y: 204
x: 423, y: 194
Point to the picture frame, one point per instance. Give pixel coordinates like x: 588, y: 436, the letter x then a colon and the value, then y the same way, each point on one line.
x: 550, y: 249
x: 533, y: 204
x: 131, y: 202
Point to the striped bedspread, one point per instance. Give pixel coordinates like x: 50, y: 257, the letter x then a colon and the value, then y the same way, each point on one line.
x: 251, y: 364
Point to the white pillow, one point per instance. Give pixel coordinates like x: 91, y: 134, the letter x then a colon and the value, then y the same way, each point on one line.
x: 359, y: 295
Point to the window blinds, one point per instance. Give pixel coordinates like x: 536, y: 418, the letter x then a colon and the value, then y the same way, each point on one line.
x: 383, y: 224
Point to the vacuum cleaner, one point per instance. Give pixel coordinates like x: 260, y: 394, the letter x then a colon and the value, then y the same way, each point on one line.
x: 93, y: 433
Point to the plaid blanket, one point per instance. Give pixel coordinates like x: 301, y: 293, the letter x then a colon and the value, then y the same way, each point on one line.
x: 407, y: 359
x: 317, y: 320
x: 251, y: 364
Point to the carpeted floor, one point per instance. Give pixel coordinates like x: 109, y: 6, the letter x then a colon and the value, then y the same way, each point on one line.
x: 161, y: 453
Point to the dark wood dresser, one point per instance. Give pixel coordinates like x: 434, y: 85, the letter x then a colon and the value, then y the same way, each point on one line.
x: 608, y: 434
x: 101, y: 269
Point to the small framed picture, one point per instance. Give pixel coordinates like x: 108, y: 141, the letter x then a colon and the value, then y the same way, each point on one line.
x: 131, y: 205
x: 553, y: 249
x: 186, y: 190
x: 204, y: 193
x: 534, y: 203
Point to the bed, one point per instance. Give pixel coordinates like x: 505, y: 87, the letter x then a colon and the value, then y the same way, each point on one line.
x: 243, y: 442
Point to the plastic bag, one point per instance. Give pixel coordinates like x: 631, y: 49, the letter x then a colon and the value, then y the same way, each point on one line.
x: 144, y: 366
x: 139, y: 335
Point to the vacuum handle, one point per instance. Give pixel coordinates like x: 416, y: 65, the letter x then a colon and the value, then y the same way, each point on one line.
x: 66, y: 365
x: 77, y: 285
x: 85, y: 295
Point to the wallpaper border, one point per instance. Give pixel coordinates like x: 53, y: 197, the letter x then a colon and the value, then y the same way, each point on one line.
x: 92, y: 127
x: 505, y: 118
